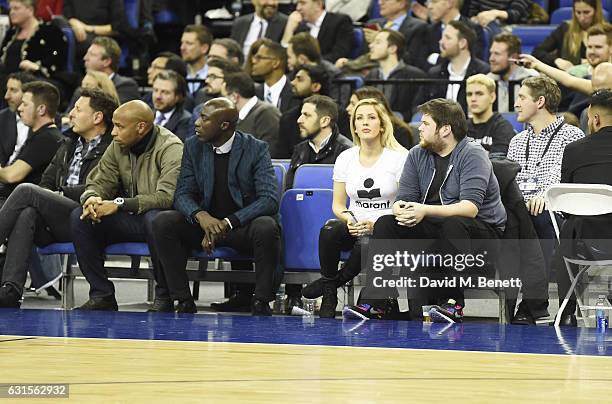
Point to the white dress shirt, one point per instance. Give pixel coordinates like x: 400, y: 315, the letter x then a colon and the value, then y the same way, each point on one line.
x: 257, y: 30
x: 316, y: 27
x: 275, y: 91
x: 244, y: 111
x: 453, y: 89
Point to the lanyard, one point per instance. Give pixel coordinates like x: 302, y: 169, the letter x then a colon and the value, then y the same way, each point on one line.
x: 550, y: 139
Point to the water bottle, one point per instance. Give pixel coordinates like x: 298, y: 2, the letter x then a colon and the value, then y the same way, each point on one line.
x: 600, y: 313
x: 236, y: 7
x: 279, y: 300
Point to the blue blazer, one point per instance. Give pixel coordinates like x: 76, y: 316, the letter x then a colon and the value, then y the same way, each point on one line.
x: 251, y: 179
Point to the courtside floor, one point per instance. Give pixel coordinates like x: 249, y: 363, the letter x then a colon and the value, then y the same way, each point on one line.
x: 140, y: 357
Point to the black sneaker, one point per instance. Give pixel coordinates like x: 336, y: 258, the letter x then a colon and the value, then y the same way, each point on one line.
x: 260, y: 308
x: 387, y: 309
x: 291, y: 302
x: 238, y: 302
x: 330, y: 299
x: 107, y: 303
x: 186, y: 306
x: 161, y: 306
x: 9, y: 297
x: 449, y: 312
x: 313, y: 290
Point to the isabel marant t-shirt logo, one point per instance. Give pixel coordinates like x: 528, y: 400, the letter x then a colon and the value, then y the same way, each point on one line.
x: 368, y: 193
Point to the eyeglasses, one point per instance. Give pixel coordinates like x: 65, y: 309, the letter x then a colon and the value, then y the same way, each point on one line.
x: 214, y: 77
x: 260, y: 57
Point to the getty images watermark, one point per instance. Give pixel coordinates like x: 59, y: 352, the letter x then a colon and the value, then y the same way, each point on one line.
x: 430, y: 264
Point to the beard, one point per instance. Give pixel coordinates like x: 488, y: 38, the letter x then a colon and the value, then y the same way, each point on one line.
x: 312, y: 134
x: 435, y: 146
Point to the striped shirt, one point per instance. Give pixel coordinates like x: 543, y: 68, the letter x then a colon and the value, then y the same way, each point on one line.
x: 546, y: 168
x: 74, y: 170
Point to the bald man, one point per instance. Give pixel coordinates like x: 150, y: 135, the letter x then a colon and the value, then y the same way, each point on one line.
x: 134, y: 180
x: 226, y: 196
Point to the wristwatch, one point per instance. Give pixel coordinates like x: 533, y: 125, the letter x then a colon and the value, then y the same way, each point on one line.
x: 119, y: 202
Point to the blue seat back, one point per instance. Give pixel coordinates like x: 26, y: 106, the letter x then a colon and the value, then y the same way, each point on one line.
x: 358, y: 81
x: 374, y: 9
x: 512, y: 118
x: 605, y: 4
x: 532, y: 35
x: 71, y: 42
x: 283, y: 162
x: 314, y: 176
x: 303, y: 213
x: 280, y: 172
x: 358, y: 43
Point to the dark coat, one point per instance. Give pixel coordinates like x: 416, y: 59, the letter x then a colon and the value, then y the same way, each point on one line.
x: 440, y: 71
x: 48, y: 47
x: 275, y: 30
x: 335, y: 36
x: 180, y: 123
x: 415, y: 34
x: 327, y: 155
x: 56, y: 173
x: 520, y: 253
x: 286, y: 101
x: 8, y: 138
x: 251, y: 179
x: 262, y: 122
x: 126, y: 87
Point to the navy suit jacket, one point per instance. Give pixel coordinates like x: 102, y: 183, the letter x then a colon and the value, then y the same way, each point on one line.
x: 180, y: 123
x: 276, y: 27
x: 335, y: 36
x: 251, y: 179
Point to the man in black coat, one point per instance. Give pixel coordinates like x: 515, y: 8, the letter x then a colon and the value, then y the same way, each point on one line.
x: 14, y: 131
x: 456, y: 48
x: 265, y: 22
x: 585, y: 161
x: 333, y: 31
x: 37, y: 214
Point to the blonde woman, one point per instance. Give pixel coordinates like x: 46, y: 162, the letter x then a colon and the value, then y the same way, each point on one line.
x: 100, y: 80
x: 566, y: 45
x: 368, y: 174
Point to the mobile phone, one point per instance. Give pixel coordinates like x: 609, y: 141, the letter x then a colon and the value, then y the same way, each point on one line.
x: 516, y: 61
x: 374, y: 27
x: 352, y: 215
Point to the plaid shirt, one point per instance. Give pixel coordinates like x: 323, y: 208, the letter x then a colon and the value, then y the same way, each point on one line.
x: 548, y: 172
x: 74, y: 170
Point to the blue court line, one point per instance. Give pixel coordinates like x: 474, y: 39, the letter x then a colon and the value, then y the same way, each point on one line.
x: 296, y: 330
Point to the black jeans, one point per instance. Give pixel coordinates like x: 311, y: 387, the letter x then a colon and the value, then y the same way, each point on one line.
x: 90, y: 240
x: 460, y: 231
x: 174, y: 238
x: 31, y: 215
x: 546, y: 234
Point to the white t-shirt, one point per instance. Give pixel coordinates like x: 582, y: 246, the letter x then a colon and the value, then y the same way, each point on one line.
x: 372, y: 190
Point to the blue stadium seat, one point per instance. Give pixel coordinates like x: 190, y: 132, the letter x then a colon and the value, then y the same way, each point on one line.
x: 283, y: 162
x: 132, y: 13
x: 314, y: 176
x: 512, y: 118
x: 374, y: 10
x: 416, y: 118
x: 565, y: 14
x: 280, y: 172
x: 359, y: 82
x: 166, y: 17
x: 532, y: 35
x: 69, y: 34
x: 561, y: 14
x: 358, y: 43
x: 605, y: 4
x: 303, y: 213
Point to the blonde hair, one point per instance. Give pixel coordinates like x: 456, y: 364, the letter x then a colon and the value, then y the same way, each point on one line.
x: 104, y: 83
x: 573, y: 37
x: 387, y: 140
x: 483, y: 80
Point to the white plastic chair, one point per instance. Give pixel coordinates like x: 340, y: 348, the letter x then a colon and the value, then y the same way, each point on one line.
x: 578, y: 200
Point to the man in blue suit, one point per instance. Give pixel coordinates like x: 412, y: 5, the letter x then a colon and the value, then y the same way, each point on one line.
x: 226, y: 195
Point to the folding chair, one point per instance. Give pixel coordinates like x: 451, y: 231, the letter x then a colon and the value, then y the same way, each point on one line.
x: 579, y: 200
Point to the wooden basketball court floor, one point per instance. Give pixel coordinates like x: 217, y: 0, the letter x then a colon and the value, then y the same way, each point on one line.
x: 141, y: 357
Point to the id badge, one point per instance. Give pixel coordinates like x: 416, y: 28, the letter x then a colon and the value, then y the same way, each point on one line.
x: 529, y: 185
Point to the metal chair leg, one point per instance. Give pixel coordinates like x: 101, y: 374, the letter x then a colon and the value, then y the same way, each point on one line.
x: 569, y: 292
